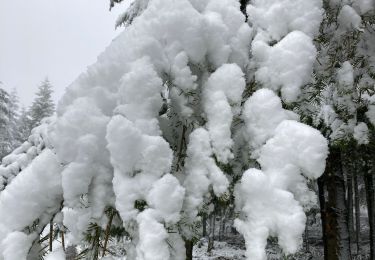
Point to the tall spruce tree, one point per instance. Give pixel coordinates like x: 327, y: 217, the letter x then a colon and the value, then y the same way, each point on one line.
x: 24, y: 126
x: 8, y: 121
x: 13, y: 116
x: 43, y: 105
x: 5, y: 145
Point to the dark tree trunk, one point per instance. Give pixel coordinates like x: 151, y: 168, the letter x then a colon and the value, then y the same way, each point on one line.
x: 306, y: 238
x: 211, y: 236
x: 223, y: 219
x: 50, y: 235
x: 204, y: 225
x: 357, y: 214
x: 189, y: 249
x: 349, y: 183
x: 243, y: 6
x: 369, y: 186
x: 336, y: 222
x: 322, y: 203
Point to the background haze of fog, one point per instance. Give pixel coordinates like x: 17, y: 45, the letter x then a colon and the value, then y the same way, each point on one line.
x: 54, y: 38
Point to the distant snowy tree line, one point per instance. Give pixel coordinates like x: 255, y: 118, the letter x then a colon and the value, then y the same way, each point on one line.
x: 15, y: 123
x: 205, y: 110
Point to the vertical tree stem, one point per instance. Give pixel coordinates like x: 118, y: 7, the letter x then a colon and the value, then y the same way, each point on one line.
x: 50, y: 235
x: 107, y: 232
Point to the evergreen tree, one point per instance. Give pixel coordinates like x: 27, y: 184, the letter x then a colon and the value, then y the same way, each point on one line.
x: 14, y: 118
x: 336, y: 103
x: 43, y: 105
x: 9, y: 122
x: 5, y: 145
x: 24, y: 125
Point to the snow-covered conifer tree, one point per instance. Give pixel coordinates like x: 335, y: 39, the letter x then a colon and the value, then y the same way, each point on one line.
x: 8, y: 122
x: 43, y: 105
x: 5, y: 146
x: 180, y: 111
x: 23, y: 125
x: 337, y: 102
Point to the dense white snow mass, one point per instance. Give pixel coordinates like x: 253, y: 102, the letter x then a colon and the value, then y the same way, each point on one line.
x: 35, y: 192
x: 223, y: 88
x: 109, y: 147
x: 269, y: 211
x: 279, y: 17
x: 78, y: 137
x: 371, y: 114
x: 364, y: 6
x: 272, y: 199
x: 348, y: 18
x: 262, y: 113
x: 21, y: 157
x: 345, y: 75
x: 287, y: 65
x: 201, y: 171
x: 16, y: 246
x: 361, y: 133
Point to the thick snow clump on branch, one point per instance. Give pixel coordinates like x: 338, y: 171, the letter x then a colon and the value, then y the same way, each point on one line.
x: 152, y: 126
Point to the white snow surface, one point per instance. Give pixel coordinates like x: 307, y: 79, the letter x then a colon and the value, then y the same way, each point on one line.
x: 364, y: 6
x: 279, y: 17
x: 348, y: 18
x: 201, y: 172
x: 272, y: 199
x: 262, y: 113
x: 345, y: 75
x: 222, y: 96
x: 34, y: 192
x: 287, y: 65
x: 371, y: 114
x: 361, y: 133
x: 16, y: 246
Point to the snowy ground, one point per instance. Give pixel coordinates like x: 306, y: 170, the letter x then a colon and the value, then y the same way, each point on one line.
x: 233, y: 247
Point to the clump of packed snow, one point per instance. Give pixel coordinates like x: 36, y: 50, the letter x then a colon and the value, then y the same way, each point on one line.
x: 292, y: 154
x: 282, y: 48
x: 361, y: 133
x: 201, y: 173
x: 262, y: 113
x: 345, y: 75
x: 222, y: 93
x: 21, y: 157
x: 348, y: 19
x: 364, y: 6
x: 279, y: 17
x: 287, y: 65
x: 34, y: 193
x: 16, y: 246
x: 371, y: 114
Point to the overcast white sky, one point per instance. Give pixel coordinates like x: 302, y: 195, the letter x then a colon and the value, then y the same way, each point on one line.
x: 54, y: 38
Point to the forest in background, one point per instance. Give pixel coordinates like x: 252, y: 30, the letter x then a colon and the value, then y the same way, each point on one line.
x: 17, y: 121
